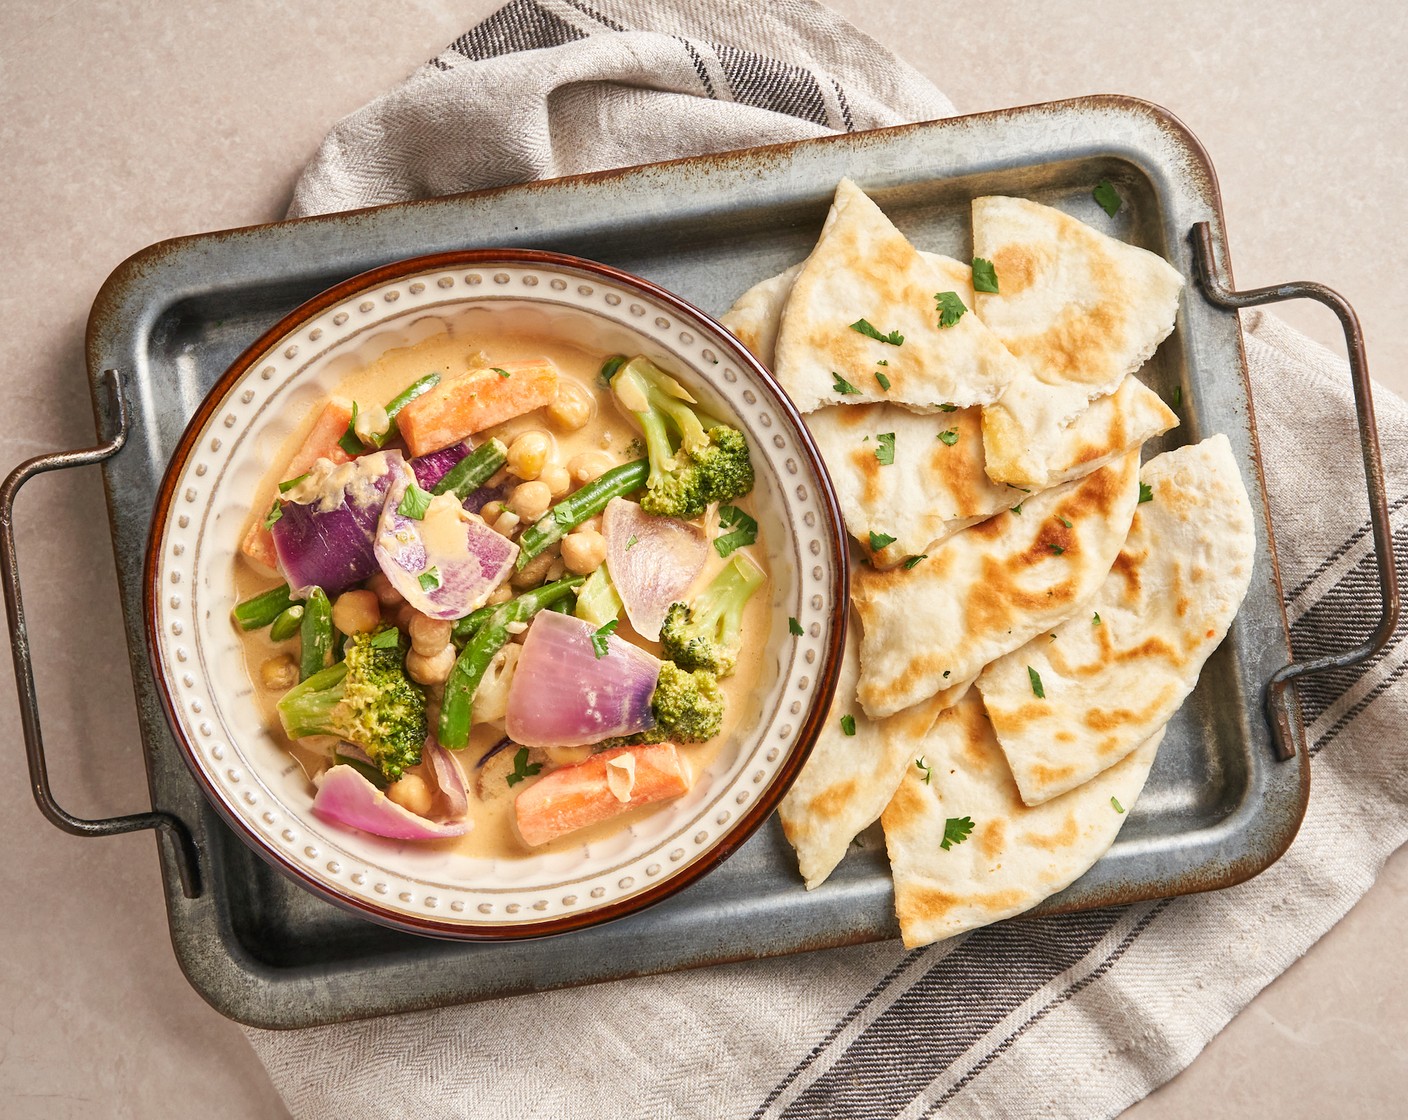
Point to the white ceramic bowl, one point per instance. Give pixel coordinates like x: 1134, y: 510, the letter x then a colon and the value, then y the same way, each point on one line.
x: 197, y: 653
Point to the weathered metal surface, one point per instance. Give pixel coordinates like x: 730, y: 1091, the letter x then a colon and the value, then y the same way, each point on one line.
x: 1218, y: 806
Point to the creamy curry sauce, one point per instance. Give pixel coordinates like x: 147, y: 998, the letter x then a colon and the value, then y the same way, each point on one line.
x: 494, y: 835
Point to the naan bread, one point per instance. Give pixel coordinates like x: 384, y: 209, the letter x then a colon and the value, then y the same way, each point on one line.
x: 756, y: 314
x: 934, y: 488
x: 849, y: 779
x: 1079, y: 311
x: 989, y: 589
x: 863, y: 268
x: 1015, y: 856
x: 1164, y: 608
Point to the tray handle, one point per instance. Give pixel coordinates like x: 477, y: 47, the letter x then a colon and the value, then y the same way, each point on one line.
x: 1277, y: 699
x: 183, y: 847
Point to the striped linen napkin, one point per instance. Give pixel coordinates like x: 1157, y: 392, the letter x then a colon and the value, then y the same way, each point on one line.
x: 1070, y: 1016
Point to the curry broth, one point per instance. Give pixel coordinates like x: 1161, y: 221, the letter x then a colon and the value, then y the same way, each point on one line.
x: 494, y: 834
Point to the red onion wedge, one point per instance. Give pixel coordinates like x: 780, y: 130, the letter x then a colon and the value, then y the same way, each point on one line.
x: 327, y: 523
x: 446, y: 562
x: 449, y: 778
x: 652, y: 561
x: 431, y: 468
x: 564, y: 695
x: 345, y: 797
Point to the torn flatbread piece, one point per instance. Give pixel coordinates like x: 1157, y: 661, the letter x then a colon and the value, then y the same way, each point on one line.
x: 920, y: 479
x: 1115, y: 673
x: 990, y: 588
x: 849, y: 778
x: 1079, y: 311
x: 866, y: 296
x: 965, y: 851
x: 756, y: 314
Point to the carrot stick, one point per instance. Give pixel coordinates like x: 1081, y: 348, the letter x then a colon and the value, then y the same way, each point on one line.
x: 473, y: 401
x: 575, y: 796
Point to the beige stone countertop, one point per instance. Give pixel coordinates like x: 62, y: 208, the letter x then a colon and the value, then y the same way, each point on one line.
x: 122, y: 123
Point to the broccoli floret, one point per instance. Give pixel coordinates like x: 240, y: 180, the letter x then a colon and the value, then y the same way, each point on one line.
x: 688, y: 707
x: 366, y: 698
x: 706, y: 634
x: 694, y: 458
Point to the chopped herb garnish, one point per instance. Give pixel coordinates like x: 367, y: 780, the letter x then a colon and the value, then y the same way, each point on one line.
x: 1063, y: 521
x: 599, y: 636
x: 414, y: 503
x: 389, y: 638
x: 894, y: 338
x: 923, y: 767
x: 883, y: 380
x: 1108, y: 198
x: 948, y: 406
x: 1056, y: 548
x: 956, y: 830
x: 610, y: 366
x: 430, y: 579
x: 522, y: 768
x: 848, y: 724
x: 883, y: 362
x: 1017, y: 509
x: 349, y: 441
x: 949, y: 438
x: 950, y: 308
x: 285, y: 487
x: 501, y: 372
x: 1096, y: 620
x: 879, y: 541
x: 841, y: 385
x: 1115, y: 804
x: 1023, y: 489
x: 913, y: 561
x: 276, y: 511
x: 742, y: 530
x: 632, y: 542
x: 946, y: 673
x: 885, y: 448
x: 1037, y: 690
x: 984, y: 275
x: 1146, y: 493
x: 794, y: 627
x: 1177, y: 396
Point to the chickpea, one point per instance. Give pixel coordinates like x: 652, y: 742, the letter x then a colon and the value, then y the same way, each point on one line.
x: 583, y: 551
x: 385, y: 594
x: 573, y: 407
x: 279, y: 673
x: 429, y: 635
x: 588, y: 465
x: 490, y: 512
x: 534, y: 572
x: 356, y: 612
x: 501, y: 594
x: 530, y: 500
x: 528, y: 454
x: 372, y: 423
x: 411, y: 793
x: 591, y: 524
x: 433, y: 669
x: 404, y: 613
x: 557, y: 479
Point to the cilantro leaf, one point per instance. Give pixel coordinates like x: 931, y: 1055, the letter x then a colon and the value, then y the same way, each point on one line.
x: 599, y: 636
x: 894, y: 338
x: 883, y: 380
x: 1108, y: 198
x: 922, y: 765
x: 1177, y: 396
x: 1017, y: 509
x: 522, y: 768
x: 389, y: 638
x: 414, y: 503
x: 1115, y: 804
x: 880, y: 541
x: 913, y: 561
x: 948, y: 406
x: 631, y: 542
x: 949, y: 438
x: 1063, y: 521
x: 1056, y: 548
x: 501, y: 372
x: 956, y: 830
x: 349, y: 441
x: 742, y: 530
x: 1038, y: 690
x: 984, y: 275
x: 883, y: 362
x: 429, y: 579
x: 276, y: 511
x: 950, y: 308
x: 1096, y: 620
x: 841, y: 385
x: 1146, y: 493
x: 794, y: 627
x: 885, y: 448
x: 285, y: 487
x: 848, y: 724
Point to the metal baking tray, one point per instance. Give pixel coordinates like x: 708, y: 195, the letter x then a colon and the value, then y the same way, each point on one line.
x: 1229, y: 787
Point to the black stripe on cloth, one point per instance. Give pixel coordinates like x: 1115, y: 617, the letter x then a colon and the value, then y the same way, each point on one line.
x: 845, y: 105
x: 1354, y: 538
x: 519, y: 25
x: 699, y: 67
x: 600, y: 17
x: 946, y: 1011
x: 766, y: 83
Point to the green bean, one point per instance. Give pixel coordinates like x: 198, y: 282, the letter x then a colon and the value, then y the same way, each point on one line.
x: 457, y: 708
x: 315, y: 634
x: 465, y: 628
x: 261, y: 610
x: 577, y: 507
x: 473, y: 471
x: 371, y: 773
x: 287, y: 624
x: 400, y: 401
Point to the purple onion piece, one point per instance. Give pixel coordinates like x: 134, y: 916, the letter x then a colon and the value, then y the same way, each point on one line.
x: 652, y: 561
x: 430, y: 469
x: 446, y: 564
x: 346, y: 798
x: 449, y: 777
x: 492, y: 751
x: 328, y: 542
x: 480, y: 498
x: 564, y: 695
